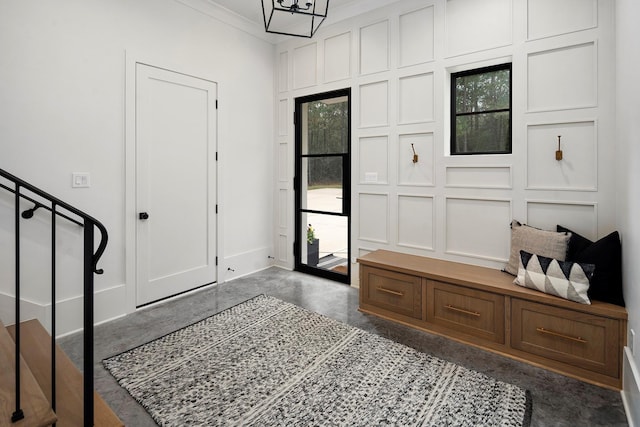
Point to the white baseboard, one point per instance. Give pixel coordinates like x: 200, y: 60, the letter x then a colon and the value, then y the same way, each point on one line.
x: 28, y: 310
x: 107, y: 306
x: 631, y: 388
x: 236, y: 266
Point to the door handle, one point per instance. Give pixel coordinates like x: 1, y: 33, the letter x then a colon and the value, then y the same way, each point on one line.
x: 143, y: 215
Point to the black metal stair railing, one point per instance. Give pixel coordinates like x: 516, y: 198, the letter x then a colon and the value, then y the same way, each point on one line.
x: 25, y: 191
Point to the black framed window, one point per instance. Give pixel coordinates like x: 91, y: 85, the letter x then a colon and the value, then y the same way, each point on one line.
x: 481, y: 111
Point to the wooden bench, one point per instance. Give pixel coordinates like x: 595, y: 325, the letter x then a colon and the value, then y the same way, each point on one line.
x: 482, y: 307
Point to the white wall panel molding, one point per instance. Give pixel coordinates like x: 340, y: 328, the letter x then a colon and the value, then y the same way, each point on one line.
x: 374, y: 160
x: 373, y: 217
x: 283, y: 117
x: 563, y: 78
x: 485, y: 176
x: 283, y: 208
x: 283, y: 71
x: 416, y: 221
x: 374, y: 48
x: 422, y: 172
x: 283, y: 248
x: 283, y: 162
x: 581, y: 217
x: 416, y: 99
x: 466, y: 29
x: 337, y: 57
x: 547, y: 18
x: 478, y: 227
x: 416, y: 37
x: 374, y: 104
x: 578, y: 169
x: 305, y: 67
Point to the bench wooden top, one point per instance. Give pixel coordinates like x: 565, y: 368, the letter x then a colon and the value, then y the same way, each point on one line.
x: 478, y: 277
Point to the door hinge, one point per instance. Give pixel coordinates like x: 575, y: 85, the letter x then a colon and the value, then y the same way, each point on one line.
x: 216, y: 260
x: 216, y: 104
x: 216, y: 208
x: 216, y: 156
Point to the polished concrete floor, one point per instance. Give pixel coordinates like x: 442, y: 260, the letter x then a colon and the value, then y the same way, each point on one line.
x: 557, y: 400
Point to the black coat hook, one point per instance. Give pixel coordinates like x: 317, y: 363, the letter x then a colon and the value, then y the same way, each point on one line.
x: 29, y: 212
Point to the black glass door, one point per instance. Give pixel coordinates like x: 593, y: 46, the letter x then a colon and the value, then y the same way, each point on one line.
x: 322, y: 184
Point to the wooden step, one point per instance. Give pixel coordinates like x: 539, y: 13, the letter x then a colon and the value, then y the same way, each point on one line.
x: 36, y: 350
x: 34, y: 404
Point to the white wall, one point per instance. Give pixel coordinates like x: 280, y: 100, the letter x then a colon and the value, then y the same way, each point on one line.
x: 628, y: 204
x: 398, y: 60
x: 62, y: 86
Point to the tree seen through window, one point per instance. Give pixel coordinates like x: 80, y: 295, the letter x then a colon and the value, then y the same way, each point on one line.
x: 481, y: 111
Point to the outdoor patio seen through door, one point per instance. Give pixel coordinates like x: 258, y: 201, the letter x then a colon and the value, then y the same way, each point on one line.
x: 322, y: 184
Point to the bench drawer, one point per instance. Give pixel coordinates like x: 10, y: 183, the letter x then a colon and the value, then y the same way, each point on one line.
x: 469, y: 311
x: 579, y: 339
x: 397, y: 292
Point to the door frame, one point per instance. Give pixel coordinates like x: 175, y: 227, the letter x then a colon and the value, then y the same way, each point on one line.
x: 132, y: 58
x: 297, y: 251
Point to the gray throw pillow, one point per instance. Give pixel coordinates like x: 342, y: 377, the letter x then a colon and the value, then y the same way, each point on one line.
x: 564, y: 279
x: 550, y: 244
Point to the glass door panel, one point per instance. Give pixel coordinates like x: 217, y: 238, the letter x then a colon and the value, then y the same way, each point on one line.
x: 326, y: 244
x: 322, y: 184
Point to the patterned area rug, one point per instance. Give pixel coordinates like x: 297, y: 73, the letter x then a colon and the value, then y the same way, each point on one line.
x: 266, y: 362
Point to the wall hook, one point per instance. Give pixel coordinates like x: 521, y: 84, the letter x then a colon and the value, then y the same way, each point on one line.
x: 29, y: 212
x: 415, y: 156
x: 559, y: 151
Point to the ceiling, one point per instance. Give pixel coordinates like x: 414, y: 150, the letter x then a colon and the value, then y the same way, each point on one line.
x: 252, y: 10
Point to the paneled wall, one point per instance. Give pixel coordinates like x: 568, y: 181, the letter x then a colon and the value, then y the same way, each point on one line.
x: 398, y: 61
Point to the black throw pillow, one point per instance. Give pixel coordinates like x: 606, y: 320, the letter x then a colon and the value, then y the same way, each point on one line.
x: 606, y: 254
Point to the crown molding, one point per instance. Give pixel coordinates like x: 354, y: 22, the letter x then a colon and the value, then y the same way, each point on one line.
x: 228, y: 17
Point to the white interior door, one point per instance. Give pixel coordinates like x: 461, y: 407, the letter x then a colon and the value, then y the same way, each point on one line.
x: 175, y: 183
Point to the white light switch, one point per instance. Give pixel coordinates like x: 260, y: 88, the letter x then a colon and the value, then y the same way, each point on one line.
x: 81, y: 180
x: 371, y: 177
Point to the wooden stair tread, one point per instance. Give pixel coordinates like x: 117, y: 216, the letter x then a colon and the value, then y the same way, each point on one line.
x: 36, y: 350
x: 34, y: 403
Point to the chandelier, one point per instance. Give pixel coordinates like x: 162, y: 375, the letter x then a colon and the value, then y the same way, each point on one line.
x: 299, y: 18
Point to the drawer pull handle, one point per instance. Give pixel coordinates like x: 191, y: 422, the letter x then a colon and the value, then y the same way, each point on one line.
x: 461, y: 310
x: 557, y: 334
x: 389, y: 291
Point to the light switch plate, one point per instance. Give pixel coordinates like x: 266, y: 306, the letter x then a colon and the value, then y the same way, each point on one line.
x: 81, y: 180
x: 371, y: 177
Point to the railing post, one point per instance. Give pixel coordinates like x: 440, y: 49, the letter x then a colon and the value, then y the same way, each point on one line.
x: 18, y: 414
x: 90, y: 260
x: 53, y: 307
x: 88, y: 322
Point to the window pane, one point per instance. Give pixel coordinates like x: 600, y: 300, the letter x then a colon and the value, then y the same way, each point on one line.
x: 322, y: 189
x: 326, y: 126
x: 483, y: 133
x: 482, y: 92
x: 325, y: 247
